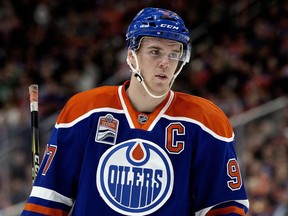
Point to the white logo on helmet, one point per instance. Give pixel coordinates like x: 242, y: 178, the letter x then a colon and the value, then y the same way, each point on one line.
x: 144, y: 26
x: 163, y: 25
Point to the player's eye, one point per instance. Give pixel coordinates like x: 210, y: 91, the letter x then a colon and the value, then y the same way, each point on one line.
x: 156, y: 53
x: 174, y: 56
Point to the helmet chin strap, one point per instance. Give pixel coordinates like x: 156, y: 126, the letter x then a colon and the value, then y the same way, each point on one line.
x: 140, y: 78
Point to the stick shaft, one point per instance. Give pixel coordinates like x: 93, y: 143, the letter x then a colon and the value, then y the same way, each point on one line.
x: 35, y: 144
x: 33, y: 91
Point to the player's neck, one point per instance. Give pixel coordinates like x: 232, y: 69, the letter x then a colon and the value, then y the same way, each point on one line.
x: 140, y: 99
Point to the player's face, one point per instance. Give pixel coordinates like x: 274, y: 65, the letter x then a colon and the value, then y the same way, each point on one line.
x: 158, y: 59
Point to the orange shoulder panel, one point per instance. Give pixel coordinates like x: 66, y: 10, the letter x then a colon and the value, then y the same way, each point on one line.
x: 203, y: 111
x: 83, y: 102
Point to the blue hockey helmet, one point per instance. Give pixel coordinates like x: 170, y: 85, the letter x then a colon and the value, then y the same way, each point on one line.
x: 161, y: 23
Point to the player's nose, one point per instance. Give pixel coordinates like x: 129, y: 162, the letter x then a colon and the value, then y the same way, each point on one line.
x: 164, y: 62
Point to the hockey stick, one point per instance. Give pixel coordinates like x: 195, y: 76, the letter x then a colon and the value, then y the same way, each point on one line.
x: 33, y: 92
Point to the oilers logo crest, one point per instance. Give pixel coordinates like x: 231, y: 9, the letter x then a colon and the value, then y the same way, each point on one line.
x: 135, y: 177
x: 107, y: 129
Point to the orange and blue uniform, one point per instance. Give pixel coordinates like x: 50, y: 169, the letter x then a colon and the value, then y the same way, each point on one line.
x: 105, y: 158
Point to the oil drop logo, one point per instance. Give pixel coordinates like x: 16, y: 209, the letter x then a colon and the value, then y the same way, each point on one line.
x: 135, y: 177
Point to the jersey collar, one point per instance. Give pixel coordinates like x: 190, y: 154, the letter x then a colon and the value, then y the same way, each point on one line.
x: 133, y: 115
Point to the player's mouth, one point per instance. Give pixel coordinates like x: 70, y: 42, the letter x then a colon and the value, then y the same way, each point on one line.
x: 161, y: 76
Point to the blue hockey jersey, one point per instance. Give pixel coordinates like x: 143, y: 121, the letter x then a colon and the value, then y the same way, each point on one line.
x: 105, y: 158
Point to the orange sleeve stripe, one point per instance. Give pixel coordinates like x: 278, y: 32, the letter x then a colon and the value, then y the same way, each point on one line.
x: 44, y: 210
x: 226, y: 210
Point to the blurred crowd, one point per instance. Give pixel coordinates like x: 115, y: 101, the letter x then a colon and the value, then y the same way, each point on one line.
x: 239, y: 61
x: 265, y: 160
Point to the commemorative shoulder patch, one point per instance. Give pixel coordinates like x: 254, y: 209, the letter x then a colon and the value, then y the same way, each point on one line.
x: 107, y: 129
x: 135, y: 177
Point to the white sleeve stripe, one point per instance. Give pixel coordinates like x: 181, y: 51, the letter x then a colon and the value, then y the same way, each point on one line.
x: 51, y: 195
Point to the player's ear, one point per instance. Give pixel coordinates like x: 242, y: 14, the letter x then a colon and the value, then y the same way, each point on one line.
x: 130, y: 56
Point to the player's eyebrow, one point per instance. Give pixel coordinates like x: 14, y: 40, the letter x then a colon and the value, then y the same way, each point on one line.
x: 159, y: 48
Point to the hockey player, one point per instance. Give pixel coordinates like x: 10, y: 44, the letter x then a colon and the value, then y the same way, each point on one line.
x: 141, y: 148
